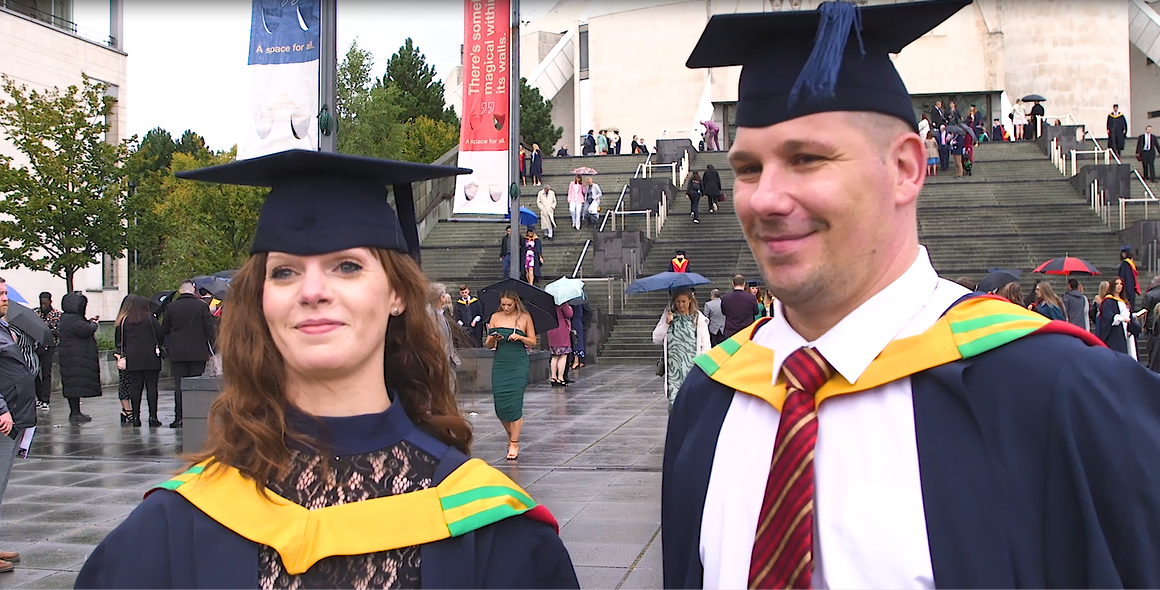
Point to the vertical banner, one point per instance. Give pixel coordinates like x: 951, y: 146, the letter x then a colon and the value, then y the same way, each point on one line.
x: 485, y: 120
x: 283, y: 64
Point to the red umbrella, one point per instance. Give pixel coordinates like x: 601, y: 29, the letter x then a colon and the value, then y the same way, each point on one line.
x: 1067, y: 266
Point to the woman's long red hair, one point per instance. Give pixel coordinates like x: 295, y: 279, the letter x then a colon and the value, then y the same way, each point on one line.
x: 247, y: 423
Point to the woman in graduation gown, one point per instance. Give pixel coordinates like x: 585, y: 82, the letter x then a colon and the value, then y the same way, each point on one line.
x: 336, y: 456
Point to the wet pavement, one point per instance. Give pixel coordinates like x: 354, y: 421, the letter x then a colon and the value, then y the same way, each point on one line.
x: 590, y: 452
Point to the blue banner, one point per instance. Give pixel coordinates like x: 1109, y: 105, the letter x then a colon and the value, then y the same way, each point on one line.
x: 284, y: 31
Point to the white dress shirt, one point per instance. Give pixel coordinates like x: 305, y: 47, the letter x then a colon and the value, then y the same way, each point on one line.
x: 869, y: 523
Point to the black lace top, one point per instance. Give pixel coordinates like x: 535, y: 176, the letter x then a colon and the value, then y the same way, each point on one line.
x: 368, y: 459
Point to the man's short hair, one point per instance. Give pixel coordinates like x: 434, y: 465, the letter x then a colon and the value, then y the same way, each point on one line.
x: 715, y: 293
x: 1072, y: 284
x: 967, y: 282
x: 738, y: 280
x: 45, y: 295
x: 462, y: 287
x: 187, y: 287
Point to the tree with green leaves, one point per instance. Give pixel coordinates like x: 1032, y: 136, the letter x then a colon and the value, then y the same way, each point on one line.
x: 536, y: 118
x: 62, y: 210
x: 421, y: 94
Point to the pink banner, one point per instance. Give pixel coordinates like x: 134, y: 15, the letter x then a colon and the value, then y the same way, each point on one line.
x: 484, y: 133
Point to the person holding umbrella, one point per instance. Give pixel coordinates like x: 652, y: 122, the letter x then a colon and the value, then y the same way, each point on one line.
x: 577, y: 193
x: 510, y: 333
x: 683, y: 331
x: 560, y: 343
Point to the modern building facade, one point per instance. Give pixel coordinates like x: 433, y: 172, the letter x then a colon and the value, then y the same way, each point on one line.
x: 621, y: 64
x: 44, y: 48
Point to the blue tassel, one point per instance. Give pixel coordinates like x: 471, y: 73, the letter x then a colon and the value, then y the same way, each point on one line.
x: 820, y: 74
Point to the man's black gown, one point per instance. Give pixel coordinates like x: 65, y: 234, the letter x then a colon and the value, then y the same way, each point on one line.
x: 1039, y: 465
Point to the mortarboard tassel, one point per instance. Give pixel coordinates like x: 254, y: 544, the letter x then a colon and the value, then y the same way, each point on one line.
x: 820, y: 74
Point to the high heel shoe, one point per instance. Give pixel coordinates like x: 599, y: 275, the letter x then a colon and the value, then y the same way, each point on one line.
x: 126, y: 417
x: 512, y: 456
x: 136, y: 419
x: 154, y: 422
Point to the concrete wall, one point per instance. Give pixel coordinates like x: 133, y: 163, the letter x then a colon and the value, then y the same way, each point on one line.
x: 41, y: 56
x: 1074, y: 52
x: 1145, y: 78
x: 637, y: 70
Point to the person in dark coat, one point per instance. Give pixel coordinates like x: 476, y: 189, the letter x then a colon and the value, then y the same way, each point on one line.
x: 1036, y: 119
x: 139, y: 339
x: 711, y: 186
x: 80, y: 369
x: 189, y: 330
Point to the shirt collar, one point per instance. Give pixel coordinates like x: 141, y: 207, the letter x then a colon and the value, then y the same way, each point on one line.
x: 852, y: 344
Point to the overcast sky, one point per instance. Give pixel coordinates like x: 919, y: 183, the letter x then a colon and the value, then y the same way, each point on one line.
x: 187, y: 60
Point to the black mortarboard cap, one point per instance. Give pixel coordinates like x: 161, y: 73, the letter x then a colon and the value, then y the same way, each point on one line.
x: 753, y: 284
x: 835, y: 58
x: 323, y: 202
x: 680, y: 252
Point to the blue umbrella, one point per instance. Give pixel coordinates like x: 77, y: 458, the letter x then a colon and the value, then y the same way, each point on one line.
x: 666, y: 281
x: 565, y: 289
x: 13, y: 295
x: 527, y: 217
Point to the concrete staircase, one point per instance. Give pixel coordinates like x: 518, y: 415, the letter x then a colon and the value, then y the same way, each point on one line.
x: 465, y: 249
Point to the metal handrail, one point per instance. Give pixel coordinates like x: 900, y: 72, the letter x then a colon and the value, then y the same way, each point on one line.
x: 1075, y: 161
x: 29, y: 11
x: 1123, y: 210
x: 647, y: 220
x: 611, y: 282
x: 640, y: 168
x: 1116, y: 157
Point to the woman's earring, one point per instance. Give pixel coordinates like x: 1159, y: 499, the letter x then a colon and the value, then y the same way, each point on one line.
x: 395, y: 311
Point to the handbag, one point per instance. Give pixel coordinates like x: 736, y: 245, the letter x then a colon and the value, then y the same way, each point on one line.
x: 158, y: 348
x: 121, y: 363
x: 661, y: 367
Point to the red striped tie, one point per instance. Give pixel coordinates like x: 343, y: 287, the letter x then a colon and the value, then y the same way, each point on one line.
x: 783, y: 551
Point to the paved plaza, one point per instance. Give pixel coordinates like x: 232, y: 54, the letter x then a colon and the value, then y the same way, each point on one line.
x: 590, y: 452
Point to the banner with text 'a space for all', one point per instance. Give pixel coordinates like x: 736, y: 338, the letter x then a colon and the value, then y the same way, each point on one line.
x: 283, y: 65
x: 484, y: 133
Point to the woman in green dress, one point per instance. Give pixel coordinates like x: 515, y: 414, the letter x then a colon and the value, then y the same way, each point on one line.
x: 684, y: 332
x: 510, y: 333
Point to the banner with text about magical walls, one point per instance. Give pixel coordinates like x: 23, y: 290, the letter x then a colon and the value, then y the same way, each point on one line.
x: 485, y: 122
x: 283, y: 64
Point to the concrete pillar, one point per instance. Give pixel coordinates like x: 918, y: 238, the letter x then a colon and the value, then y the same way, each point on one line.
x: 117, y: 24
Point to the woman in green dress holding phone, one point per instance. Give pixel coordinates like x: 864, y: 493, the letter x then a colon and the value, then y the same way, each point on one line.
x: 510, y: 333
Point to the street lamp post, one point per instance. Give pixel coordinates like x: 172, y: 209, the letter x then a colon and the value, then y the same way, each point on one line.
x: 517, y: 257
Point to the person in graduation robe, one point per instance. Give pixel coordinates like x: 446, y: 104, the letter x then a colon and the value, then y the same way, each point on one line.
x: 1117, y: 130
x: 1130, y: 275
x: 679, y: 263
x: 336, y: 455
x: 469, y: 313
x: 849, y: 441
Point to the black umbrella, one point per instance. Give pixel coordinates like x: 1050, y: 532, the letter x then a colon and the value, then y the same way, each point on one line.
x: 998, y: 278
x: 1034, y: 98
x: 965, y: 129
x: 214, y: 285
x: 160, y: 300
x: 226, y: 274
x: 28, y: 322
x: 539, y: 303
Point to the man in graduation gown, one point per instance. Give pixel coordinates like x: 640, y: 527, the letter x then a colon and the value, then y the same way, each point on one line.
x: 1117, y: 129
x: 469, y: 313
x: 853, y: 441
x: 679, y: 263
